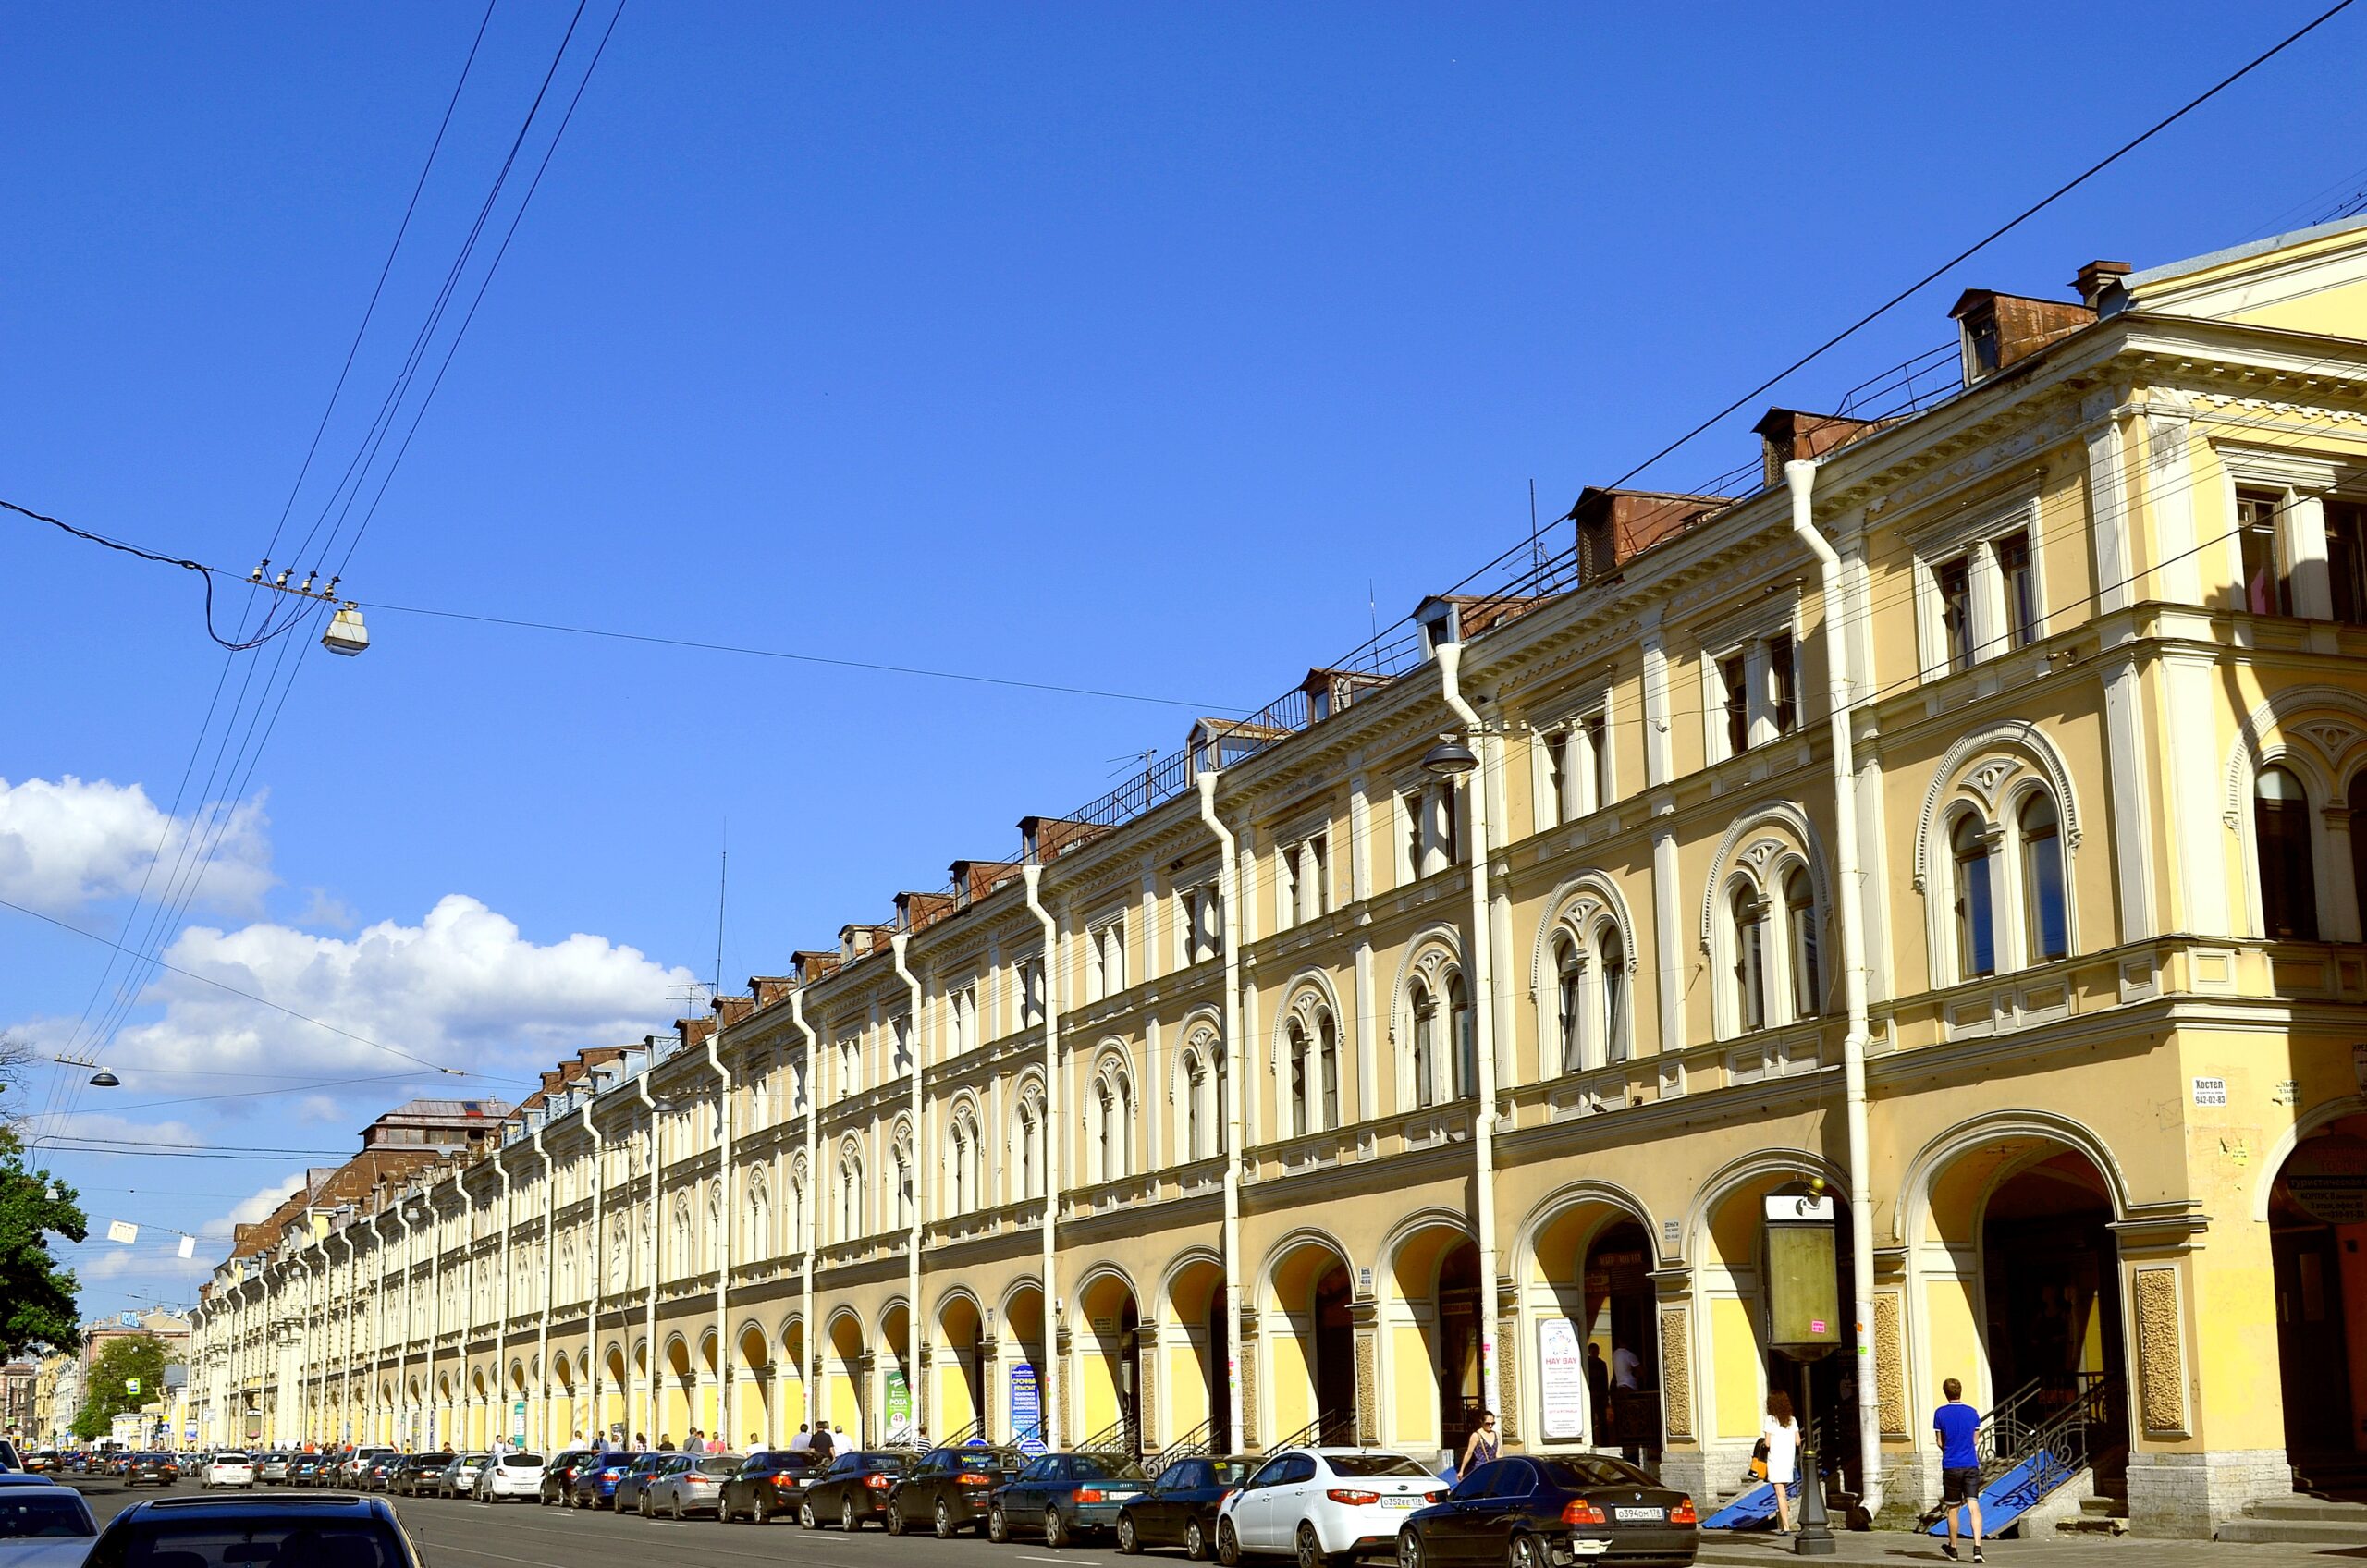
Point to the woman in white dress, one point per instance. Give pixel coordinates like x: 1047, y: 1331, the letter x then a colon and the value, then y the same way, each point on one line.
x: 1782, y: 1435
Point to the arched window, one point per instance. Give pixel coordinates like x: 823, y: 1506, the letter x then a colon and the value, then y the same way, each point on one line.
x: 1028, y: 1173
x: 2359, y: 844
x: 1567, y: 1018
x: 1975, y: 902
x: 1299, y: 1064
x: 1195, y: 1105
x: 1327, y: 1049
x: 1426, y: 1045
x: 1221, y: 1117
x: 1466, y: 1038
x: 760, y: 1213
x: 904, y: 1177
x: 1750, y: 958
x: 797, y: 1210
x: 1807, y: 972
x: 849, y: 1204
x: 2046, y: 916
x: 2288, y: 889
x: 1611, y: 963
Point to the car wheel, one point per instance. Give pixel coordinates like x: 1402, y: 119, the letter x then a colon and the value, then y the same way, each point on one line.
x: 761, y: 1511
x: 847, y: 1519
x: 895, y: 1517
x: 944, y: 1520
x: 997, y: 1527
x: 806, y: 1518
x: 1056, y: 1529
x: 646, y: 1509
x: 1130, y: 1540
x: 678, y: 1508
x: 1310, y: 1547
x: 1227, y: 1544
x: 1409, y: 1549
x: 1526, y: 1553
x: 1196, y: 1541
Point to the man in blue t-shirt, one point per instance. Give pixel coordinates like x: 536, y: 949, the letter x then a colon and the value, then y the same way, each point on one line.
x: 1954, y: 1422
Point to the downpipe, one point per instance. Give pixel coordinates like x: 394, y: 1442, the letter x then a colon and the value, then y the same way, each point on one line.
x: 1228, y: 873
x: 915, y: 1394
x: 596, y: 1416
x: 810, y: 1201
x: 1048, y: 1376
x: 725, y: 1385
x: 1802, y: 477
x: 657, y: 1245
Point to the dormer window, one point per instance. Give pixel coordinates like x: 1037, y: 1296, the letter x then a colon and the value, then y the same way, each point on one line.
x: 1981, y: 346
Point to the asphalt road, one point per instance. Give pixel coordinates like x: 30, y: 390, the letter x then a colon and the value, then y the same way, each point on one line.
x: 518, y: 1535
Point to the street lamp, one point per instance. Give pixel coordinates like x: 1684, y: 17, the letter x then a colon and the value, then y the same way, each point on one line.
x: 1449, y: 759
x: 103, y: 1079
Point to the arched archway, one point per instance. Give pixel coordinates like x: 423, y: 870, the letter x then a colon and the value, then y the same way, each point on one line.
x: 844, y: 1404
x: 2317, y: 1218
x: 1022, y: 1349
x: 1589, y: 1261
x: 1108, y: 1381
x: 751, y: 1375
x: 710, y: 1413
x: 1431, y: 1326
x: 1310, y: 1342
x: 1194, y: 1388
x: 611, y: 1396
x: 481, y: 1413
x: 960, y: 1368
x: 899, y: 1421
x: 673, y: 1418
x: 796, y: 1404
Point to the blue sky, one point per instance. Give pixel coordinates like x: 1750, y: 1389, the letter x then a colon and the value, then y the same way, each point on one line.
x: 1129, y: 348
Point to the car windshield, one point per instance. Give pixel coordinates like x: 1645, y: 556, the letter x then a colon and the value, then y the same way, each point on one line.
x: 1089, y: 1467
x: 718, y: 1464
x: 259, y: 1541
x: 782, y: 1459
x: 1230, y: 1472
x: 515, y: 1460
x: 1362, y: 1465
x: 981, y: 1463
x: 229, y: 1459
x: 36, y: 1511
x: 1579, y: 1473
x: 885, y: 1460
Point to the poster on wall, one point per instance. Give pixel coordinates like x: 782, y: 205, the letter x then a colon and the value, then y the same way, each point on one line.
x: 1026, y: 1410
x: 899, y: 1407
x: 1562, y: 1381
x: 518, y: 1423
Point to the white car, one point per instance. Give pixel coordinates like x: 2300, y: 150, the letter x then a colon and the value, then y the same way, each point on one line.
x: 1323, y: 1503
x: 514, y: 1474
x: 231, y: 1467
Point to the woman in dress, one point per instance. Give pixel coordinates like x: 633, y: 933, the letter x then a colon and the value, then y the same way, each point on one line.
x: 1782, y: 1435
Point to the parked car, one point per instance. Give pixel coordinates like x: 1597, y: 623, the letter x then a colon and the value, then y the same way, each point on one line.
x: 152, y: 1469
x: 558, y: 1481
x: 1532, y: 1512
x: 948, y: 1489
x: 375, y: 1474
x: 416, y: 1473
x: 1180, y: 1508
x: 457, y: 1479
x: 118, y: 1460
x: 305, y: 1469
x: 689, y: 1484
x: 43, y: 1523
x: 271, y: 1468
x: 596, y: 1483
x: 513, y: 1473
x: 354, y: 1465
x: 279, y: 1528
x: 1323, y: 1502
x: 43, y: 1462
x: 229, y: 1467
x: 1063, y: 1496
x: 625, y: 1496
x: 853, y: 1487
x: 767, y: 1484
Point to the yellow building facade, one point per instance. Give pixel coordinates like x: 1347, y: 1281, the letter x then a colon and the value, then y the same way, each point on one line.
x: 1449, y: 1025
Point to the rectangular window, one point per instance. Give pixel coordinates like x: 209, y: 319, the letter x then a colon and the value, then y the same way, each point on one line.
x: 1735, y: 675
x: 1954, y: 578
x: 2346, y: 560
x: 1786, y: 683
x: 1031, y: 992
x: 2021, y: 591
x: 2267, y: 587
x: 1591, y: 735
x: 1561, y: 799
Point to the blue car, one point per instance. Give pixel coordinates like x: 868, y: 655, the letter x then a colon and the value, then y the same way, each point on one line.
x: 596, y: 1483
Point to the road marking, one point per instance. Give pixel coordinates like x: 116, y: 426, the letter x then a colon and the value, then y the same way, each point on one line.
x: 1031, y: 1557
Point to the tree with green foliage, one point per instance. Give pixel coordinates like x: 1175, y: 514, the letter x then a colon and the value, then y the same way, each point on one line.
x: 37, y: 1297
x: 108, y: 1391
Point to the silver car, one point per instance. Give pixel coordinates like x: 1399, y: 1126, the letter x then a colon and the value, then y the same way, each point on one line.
x: 458, y: 1478
x: 689, y: 1484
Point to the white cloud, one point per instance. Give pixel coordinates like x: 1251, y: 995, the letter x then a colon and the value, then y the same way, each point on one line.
x: 102, y: 1125
x: 462, y: 989
x: 66, y: 842
x: 251, y: 1208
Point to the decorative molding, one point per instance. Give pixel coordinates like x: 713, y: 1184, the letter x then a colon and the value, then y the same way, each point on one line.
x: 1890, y: 1365
x: 2258, y: 742
x: 2036, y: 747
x: 1677, y: 1371
x: 1785, y: 816
x: 2160, y: 1350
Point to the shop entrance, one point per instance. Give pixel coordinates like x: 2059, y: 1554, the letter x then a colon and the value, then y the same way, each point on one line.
x: 2317, y: 1216
x: 1335, y: 1355
x: 1461, y: 1392
x: 1623, y: 1351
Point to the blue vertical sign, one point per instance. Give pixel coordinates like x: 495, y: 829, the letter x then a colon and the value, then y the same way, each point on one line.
x: 1026, y: 1410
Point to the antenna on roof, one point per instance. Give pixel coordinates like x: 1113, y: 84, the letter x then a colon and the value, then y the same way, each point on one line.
x: 722, y: 887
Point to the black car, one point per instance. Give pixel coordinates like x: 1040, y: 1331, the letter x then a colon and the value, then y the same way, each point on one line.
x: 635, y: 1479
x: 1064, y: 1496
x: 152, y: 1469
x: 853, y: 1488
x: 948, y: 1489
x: 355, y: 1532
x: 559, y: 1473
x: 1537, y: 1512
x: 416, y: 1475
x: 373, y: 1475
x: 304, y: 1470
x: 1181, y: 1507
x: 769, y: 1483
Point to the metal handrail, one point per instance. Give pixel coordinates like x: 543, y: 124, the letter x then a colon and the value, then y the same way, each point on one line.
x: 1191, y: 1445
x: 1331, y: 1426
x: 975, y: 1432
x: 1120, y: 1437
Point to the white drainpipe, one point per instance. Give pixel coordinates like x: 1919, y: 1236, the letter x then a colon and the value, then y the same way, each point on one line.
x: 724, y: 1414
x: 1483, y: 1028
x: 1229, y: 908
x: 657, y: 1245
x: 378, y: 1317
x: 915, y: 1392
x: 1048, y: 1374
x: 595, y: 1414
x: 345, y: 1375
x: 1802, y: 477
x: 811, y: 1373
x: 468, y: 1302
x: 407, y: 1437
x: 501, y: 1324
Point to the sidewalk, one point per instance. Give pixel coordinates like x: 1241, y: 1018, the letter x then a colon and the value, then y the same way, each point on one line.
x: 1763, y: 1550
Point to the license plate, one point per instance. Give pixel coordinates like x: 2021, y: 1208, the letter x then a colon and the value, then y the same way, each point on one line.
x: 1401, y: 1502
x: 1639, y: 1515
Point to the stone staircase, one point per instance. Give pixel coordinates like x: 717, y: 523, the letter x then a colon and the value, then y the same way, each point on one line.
x: 2105, y: 1512
x: 2299, y: 1520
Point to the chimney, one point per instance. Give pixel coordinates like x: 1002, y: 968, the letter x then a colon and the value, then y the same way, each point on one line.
x: 693, y: 1032
x: 813, y: 965
x: 1790, y: 435
x: 915, y: 911
x: 2000, y: 330
x: 729, y: 1010
x: 974, y: 879
x: 766, y: 989
x: 1046, y: 838
x: 1615, y: 526
x: 2095, y: 278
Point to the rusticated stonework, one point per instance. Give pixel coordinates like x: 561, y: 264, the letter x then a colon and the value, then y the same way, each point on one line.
x: 1508, y: 1375
x: 1676, y: 1370
x: 2161, y: 1351
x: 1248, y: 1366
x: 1890, y: 1366
x: 1368, y: 1401
x: 1147, y: 1377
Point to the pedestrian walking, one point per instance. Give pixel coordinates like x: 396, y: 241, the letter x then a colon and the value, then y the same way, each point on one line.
x: 1482, y: 1447
x: 803, y: 1442
x: 1955, y: 1422
x: 1599, y: 1391
x: 1782, y: 1435
x: 823, y: 1446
